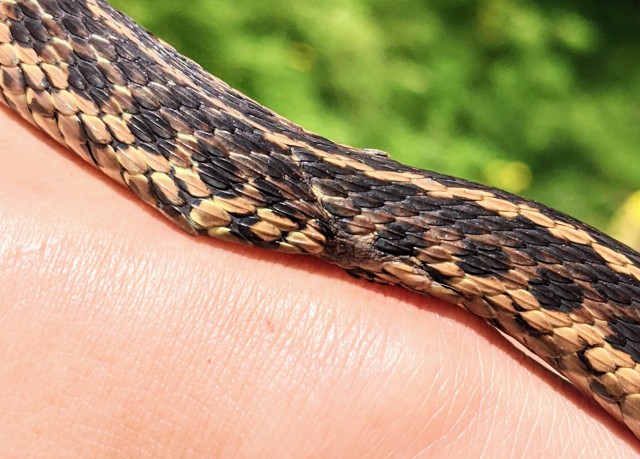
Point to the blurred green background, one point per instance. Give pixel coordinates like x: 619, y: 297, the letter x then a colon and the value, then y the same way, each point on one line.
x: 539, y: 98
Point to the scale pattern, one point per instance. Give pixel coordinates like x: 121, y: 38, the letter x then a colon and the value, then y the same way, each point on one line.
x: 217, y: 163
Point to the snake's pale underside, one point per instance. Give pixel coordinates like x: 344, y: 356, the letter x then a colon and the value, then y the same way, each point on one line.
x: 217, y: 163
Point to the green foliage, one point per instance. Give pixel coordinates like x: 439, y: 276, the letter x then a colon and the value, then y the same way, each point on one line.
x: 541, y: 98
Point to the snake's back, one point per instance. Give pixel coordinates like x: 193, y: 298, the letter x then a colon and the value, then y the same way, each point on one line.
x: 217, y: 163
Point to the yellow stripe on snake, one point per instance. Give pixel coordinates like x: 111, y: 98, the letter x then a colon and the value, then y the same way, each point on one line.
x: 217, y: 163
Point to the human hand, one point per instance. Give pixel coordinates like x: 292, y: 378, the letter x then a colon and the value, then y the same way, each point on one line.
x: 122, y: 336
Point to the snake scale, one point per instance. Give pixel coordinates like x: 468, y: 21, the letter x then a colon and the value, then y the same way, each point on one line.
x: 217, y: 163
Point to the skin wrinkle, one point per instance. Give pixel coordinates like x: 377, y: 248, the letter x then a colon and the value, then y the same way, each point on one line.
x: 144, y: 350
x: 463, y: 419
x: 485, y: 379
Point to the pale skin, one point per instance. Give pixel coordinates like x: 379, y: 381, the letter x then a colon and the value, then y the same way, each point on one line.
x: 122, y: 336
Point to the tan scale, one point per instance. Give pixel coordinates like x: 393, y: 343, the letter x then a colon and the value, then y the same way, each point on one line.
x: 590, y: 333
x: 139, y: 184
x: 535, y: 216
x: 34, y: 77
x: 612, y: 386
x: 502, y: 302
x: 132, y: 160
x: 85, y: 105
x: 630, y: 408
x: 467, y: 287
x: 50, y: 126
x: 285, y: 247
x: 502, y: 206
x: 252, y: 194
x: 558, y: 318
x: 266, y: 231
x: 40, y: 102
x: 617, y: 261
x: 57, y: 76
x: 107, y: 161
x: 194, y: 185
x: 49, y: 56
x: 542, y: 345
x: 312, y: 232
x: 429, y: 184
x: 360, y: 227
x: 186, y: 144
x: 118, y: 128
x: 621, y: 359
x: 471, y: 195
x: 208, y: 215
x: 178, y: 124
x: 167, y: 188
x: 401, y: 177
x: 27, y: 56
x: 64, y: 102
x: 155, y: 161
x: 304, y: 242
x: 181, y: 220
x: 11, y: 10
x: 568, y: 339
x: 407, y: 275
x: 224, y: 233
x: 545, y: 321
x: 282, y: 223
x: 444, y: 194
x: 12, y: 81
x: 74, y: 135
x: 113, y: 74
x: 629, y: 378
x: 96, y: 129
x: 514, y: 279
x: 5, y: 34
x: 346, y: 162
x: 571, y: 233
x: 611, y: 256
x: 524, y: 299
x: 122, y: 99
x: 8, y: 56
x: 448, y: 269
x: 433, y: 254
x: 488, y: 286
x: 236, y: 206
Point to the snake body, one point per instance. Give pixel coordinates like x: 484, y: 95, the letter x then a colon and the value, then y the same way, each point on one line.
x: 217, y: 163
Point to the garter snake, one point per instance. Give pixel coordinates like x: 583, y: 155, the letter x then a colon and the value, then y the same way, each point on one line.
x: 217, y: 163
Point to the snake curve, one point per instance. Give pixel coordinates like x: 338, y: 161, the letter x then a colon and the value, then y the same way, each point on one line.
x: 217, y: 163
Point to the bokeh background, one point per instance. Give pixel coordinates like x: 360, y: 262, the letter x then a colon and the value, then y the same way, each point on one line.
x: 538, y: 98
